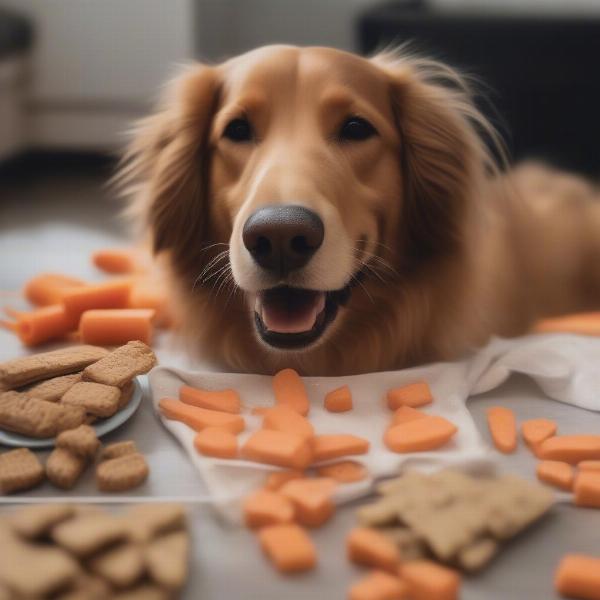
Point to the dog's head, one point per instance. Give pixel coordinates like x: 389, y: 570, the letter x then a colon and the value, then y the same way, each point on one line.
x: 307, y: 175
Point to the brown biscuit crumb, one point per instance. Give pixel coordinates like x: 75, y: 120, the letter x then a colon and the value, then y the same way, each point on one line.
x: 22, y: 371
x: 37, y: 418
x: 52, y: 390
x: 82, y: 441
x: 63, y: 468
x: 97, y: 399
x: 35, y: 521
x: 167, y: 559
x: 20, y: 470
x: 89, y: 533
x: 121, y: 365
x: 117, y: 449
x: 123, y: 473
x: 121, y: 566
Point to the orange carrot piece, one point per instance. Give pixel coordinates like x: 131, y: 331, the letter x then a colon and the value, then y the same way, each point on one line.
x: 263, y: 508
x: 200, y: 418
x: 260, y: 411
x: 426, y: 580
x: 368, y: 547
x: 378, y: 585
x: 42, y: 325
x: 278, y: 448
x: 328, y: 447
x: 149, y: 293
x: 311, y: 499
x: 404, y: 414
x: 48, y: 288
x: 223, y: 400
x: 571, y: 448
x: 503, y: 428
x: 112, y: 294
x: 116, y: 261
x: 413, y: 395
x: 217, y: 442
x: 581, y: 323
x: 339, y: 400
x: 578, y: 576
x: 288, y: 547
x: 345, y: 471
x: 116, y: 326
x: 283, y: 418
x: 589, y: 465
x: 419, y: 435
x: 289, y: 390
x: 556, y: 473
x: 535, y: 431
x: 277, y: 479
x: 587, y: 489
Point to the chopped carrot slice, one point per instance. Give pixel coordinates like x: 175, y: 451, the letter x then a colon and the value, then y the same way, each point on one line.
x: 589, y: 465
x: 378, y: 585
x: 571, y: 448
x: 276, y: 480
x: 535, y: 431
x: 278, y: 448
x: 419, y: 435
x: 581, y: 323
x: 427, y: 580
x: 116, y: 261
x: 587, y: 489
x: 42, y: 325
x: 339, y: 400
x: 369, y: 547
x: 311, y: 499
x: 414, y: 395
x: 48, y: 288
x: 149, y: 293
x: 263, y: 508
x: 223, y: 400
x: 578, y: 576
x: 328, y: 447
x: 283, y: 418
x: 260, y: 411
x: 503, y: 428
x: 216, y: 441
x: 289, y: 547
x: 404, y: 414
x: 345, y: 471
x: 556, y: 473
x: 289, y: 390
x: 200, y: 418
x: 112, y: 294
x: 116, y: 326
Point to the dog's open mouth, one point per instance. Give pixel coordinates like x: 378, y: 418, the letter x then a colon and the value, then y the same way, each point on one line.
x: 288, y: 317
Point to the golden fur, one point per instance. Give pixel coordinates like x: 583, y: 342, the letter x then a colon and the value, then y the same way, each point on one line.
x: 452, y: 250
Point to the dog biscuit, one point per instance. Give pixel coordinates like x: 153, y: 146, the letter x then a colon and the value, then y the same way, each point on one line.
x: 88, y: 533
x: 118, y: 449
x: 82, y: 441
x: 64, y: 468
x: 96, y: 398
x: 121, y: 566
x: 143, y: 592
x: 87, y: 587
x: 20, y: 470
x: 477, y: 554
x: 122, y: 365
x: 36, y: 520
x: 37, y: 418
x: 52, y: 390
x: 126, y: 395
x: 28, y: 369
x: 407, y: 541
x: 123, y: 473
x: 146, y: 521
x: 167, y: 560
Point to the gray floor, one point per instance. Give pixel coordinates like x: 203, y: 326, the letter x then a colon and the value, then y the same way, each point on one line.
x: 53, y: 222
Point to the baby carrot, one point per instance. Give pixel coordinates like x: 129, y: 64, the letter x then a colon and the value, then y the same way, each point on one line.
x: 223, y: 400
x: 589, y: 465
x: 115, y: 261
x: 328, y: 447
x: 339, y: 400
x: 503, y: 428
x: 283, y: 418
x: 368, y: 547
x: 426, y: 580
x: 414, y: 395
x: 149, y: 293
x: 200, y: 418
x: 578, y: 576
x: 263, y: 508
x: 282, y: 449
x: 571, y: 448
x: 378, y: 585
x: 419, y: 435
x: 288, y: 547
x: 216, y: 441
x: 405, y: 414
x: 277, y: 479
x: 581, y: 323
x: 556, y: 473
x: 311, y: 499
x: 116, y: 326
x: 535, y: 431
x: 345, y: 471
x: 289, y: 390
x: 48, y: 288
x: 112, y: 294
x: 587, y: 489
x: 41, y: 325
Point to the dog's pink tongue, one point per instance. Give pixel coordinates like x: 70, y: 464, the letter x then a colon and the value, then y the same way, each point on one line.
x: 284, y: 318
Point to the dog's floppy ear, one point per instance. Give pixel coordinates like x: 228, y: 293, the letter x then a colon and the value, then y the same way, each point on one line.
x: 164, y: 169
x: 443, y: 158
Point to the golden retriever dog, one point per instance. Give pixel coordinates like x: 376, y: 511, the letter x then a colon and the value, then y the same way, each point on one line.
x: 339, y: 215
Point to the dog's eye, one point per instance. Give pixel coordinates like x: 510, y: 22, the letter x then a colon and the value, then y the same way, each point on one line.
x: 239, y: 130
x: 356, y: 129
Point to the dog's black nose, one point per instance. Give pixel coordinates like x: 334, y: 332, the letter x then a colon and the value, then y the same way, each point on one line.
x: 283, y: 238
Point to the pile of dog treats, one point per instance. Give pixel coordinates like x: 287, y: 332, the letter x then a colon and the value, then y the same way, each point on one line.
x: 123, y: 308
x: 67, y: 552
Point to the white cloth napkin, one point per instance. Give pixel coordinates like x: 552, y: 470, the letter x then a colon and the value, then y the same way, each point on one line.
x: 567, y: 368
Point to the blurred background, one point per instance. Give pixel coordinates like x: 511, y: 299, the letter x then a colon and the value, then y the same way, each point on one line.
x: 74, y: 74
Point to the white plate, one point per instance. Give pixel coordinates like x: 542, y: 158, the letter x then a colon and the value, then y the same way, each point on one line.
x: 102, y: 426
